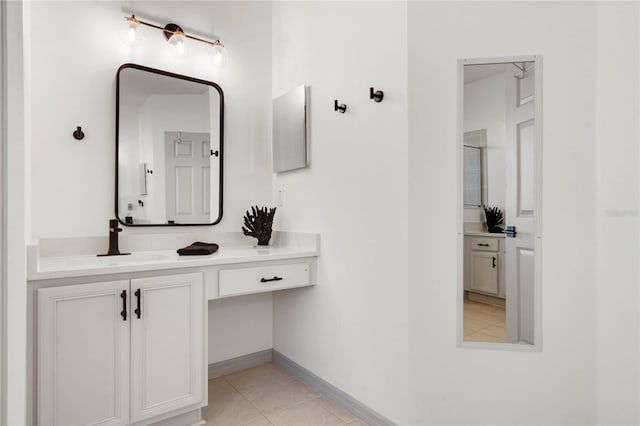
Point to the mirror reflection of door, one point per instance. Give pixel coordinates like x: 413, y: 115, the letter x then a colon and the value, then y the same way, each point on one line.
x: 188, y: 176
x: 499, y: 198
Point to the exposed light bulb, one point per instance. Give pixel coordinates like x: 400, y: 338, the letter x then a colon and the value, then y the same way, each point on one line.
x: 180, y: 47
x: 132, y: 34
x: 220, y: 56
x: 177, y: 41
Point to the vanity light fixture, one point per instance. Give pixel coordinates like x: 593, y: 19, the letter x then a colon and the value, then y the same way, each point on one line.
x: 175, y: 36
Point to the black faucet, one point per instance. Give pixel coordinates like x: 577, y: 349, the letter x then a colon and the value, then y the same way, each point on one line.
x: 113, y: 239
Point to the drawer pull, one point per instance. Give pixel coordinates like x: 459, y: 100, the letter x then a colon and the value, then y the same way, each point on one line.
x: 266, y: 280
x: 494, y: 261
x: 483, y: 245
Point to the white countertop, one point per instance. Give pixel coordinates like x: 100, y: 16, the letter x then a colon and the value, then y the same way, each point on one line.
x: 51, y: 266
x: 483, y: 234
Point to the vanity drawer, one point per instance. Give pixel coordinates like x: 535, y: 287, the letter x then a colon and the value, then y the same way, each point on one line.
x: 265, y: 278
x: 487, y: 244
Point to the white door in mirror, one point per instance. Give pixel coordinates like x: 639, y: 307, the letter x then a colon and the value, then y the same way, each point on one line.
x: 520, y: 203
x: 188, y: 177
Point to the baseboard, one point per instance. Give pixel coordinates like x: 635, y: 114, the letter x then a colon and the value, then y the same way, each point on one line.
x: 189, y: 418
x: 331, y: 392
x: 240, y: 363
x: 485, y: 298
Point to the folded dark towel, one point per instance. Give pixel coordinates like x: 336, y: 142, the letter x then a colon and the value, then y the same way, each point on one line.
x: 198, y: 248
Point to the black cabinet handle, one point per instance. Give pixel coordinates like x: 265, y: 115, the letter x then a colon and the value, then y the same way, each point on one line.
x: 266, y: 280
x: 483, y: 245
x: 494, y: 262
x: 123, y: 312
x: 138, y: 311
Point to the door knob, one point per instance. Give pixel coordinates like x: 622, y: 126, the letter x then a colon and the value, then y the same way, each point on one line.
x: 510, y: 232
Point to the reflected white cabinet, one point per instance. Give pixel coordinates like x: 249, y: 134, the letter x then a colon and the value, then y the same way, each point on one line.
x: 484, y: 272
x: 484, y: 264
x: 97, y: 342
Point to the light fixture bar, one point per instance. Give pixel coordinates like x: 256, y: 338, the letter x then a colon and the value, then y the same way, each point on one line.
x: 178, y: 31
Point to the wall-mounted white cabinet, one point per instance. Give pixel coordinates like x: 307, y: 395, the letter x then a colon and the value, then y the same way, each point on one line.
x: 120, y: 352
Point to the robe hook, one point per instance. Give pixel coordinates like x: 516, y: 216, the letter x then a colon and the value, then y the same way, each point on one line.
x: 78, y: 134
x: 377, y: 95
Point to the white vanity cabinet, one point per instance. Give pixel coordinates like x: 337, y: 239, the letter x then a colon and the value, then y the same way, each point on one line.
x: 83, y: 355
x: 484, y: 264
x: 167, y: 341
x: 119, y: 352
x: 484, y: 272
x: 124, y: 340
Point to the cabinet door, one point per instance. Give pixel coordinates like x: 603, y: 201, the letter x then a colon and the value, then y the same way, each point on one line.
x: 484, y: 272
x: 167, y: 344
x: 83, y: 355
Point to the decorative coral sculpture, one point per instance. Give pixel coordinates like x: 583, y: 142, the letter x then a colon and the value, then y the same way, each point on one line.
x: 258, y: 224
x: 494, y: 218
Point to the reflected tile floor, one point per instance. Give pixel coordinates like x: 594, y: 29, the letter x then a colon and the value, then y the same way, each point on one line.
x: 484, y: 322
x: 266, y: 395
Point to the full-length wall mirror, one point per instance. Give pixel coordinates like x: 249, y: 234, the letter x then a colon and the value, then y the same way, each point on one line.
x: 499, y: 145
x: 169, y: 143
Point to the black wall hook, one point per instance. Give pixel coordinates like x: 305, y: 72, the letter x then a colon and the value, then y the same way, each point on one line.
x: 78, y: 134
x: 341, y: 108
x: 377, y: 95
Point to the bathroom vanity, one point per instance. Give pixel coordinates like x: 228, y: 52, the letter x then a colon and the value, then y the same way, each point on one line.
x: 484, y: 272
x: 123, y: 340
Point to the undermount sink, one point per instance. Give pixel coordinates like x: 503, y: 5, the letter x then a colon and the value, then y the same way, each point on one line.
x: 98, y: 261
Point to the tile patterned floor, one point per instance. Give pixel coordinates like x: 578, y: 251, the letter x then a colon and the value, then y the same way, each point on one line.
x: 484, y: 323
x: 265, y: 396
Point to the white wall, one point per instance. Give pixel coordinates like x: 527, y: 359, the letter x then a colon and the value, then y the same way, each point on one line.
x: 14, y: 206
x: 240, y: 326
x: 351, y: 329
x: 618, y: 230
x: 76, y: 52
x: 451, y: 385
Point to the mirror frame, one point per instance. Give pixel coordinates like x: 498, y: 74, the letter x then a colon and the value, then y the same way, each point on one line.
x: 221, y: 147
x: 537, y: 291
